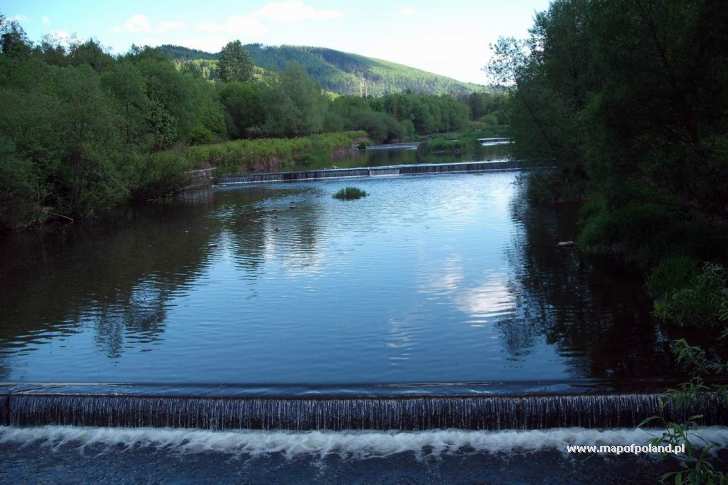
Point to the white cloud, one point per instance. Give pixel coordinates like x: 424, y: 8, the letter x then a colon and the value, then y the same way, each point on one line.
x: 257, y: 22
x: 235, y: 25
x: 208, y: 43
x: 63, y: 38
x: 140, y: 24
x: 135, y: 24
x: 250, y: 26
x: 17, y: 18
x: 407, y: 11
x: 294, y: 11
x: 45, y: 20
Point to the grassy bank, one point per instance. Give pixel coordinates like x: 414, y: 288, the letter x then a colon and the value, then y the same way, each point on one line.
x: 465, y: 139
x: 462, y: 145
x: 265, y: 154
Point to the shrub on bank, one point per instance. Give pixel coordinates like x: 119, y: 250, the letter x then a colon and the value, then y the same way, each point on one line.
x: 672, y: 273
x: 700, y: 300
x: 445, y: 145
x: 548, y: 188
x: 160, y: 174
x: 270, y: 154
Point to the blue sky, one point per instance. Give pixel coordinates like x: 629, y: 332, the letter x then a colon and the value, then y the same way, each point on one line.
x: 445, y: 37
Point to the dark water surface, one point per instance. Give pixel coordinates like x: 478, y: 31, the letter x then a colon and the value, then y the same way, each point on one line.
x: 437, y: 279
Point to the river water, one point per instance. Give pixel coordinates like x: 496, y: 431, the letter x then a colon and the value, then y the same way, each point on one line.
x: 444, y: 284
x: 445, y: 279
x: 93, y: 455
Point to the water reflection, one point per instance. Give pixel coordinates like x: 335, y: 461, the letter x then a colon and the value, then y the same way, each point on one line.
x: 474, y: 151
x: 434, y: 278
x: 142, y: 317
x: 447, y: 278
x: 118, y: 279
x: 596, y: 315
x: 493, y: 299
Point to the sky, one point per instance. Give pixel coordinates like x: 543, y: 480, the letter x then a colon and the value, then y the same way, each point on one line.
x: 445, y: 37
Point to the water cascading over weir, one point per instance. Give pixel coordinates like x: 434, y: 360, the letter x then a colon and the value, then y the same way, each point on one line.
x: 354, y: 413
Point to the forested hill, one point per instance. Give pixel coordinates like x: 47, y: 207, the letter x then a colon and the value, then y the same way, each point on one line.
x: 341, y: 72
x: 186, y: 54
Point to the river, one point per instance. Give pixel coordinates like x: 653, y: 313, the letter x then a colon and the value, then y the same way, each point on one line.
x: 430, y: 279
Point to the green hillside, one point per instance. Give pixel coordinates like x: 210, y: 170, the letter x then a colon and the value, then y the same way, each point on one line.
x: 341, y: 72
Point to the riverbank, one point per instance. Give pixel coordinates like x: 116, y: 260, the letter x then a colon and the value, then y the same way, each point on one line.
x: 181, y: 168
x: 314, y: 152
x: 157, y: 175
x: 153, y: 176
x: 273, y: 159
x: 269, y: 154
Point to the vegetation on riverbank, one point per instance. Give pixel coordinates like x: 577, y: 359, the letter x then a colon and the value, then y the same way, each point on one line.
x: 631, y: 101
x: 641, y: 137
x: 82, y: 131
x: 267, y: 154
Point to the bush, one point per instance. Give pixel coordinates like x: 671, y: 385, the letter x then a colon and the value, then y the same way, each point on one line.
x: 350, y: 193
x: 672, y: 273
x: 20, y: 192
x: 639, y: 231
x: 267, y: 154
x: 701, y: 302
x: 159, y: 174
x: 543, y: 188
x: 440, y: 144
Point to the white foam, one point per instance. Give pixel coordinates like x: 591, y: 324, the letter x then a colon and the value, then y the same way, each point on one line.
x: 361, y: 444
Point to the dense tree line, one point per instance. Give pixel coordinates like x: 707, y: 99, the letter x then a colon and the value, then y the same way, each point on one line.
x: 79, y: 128
x: 77, y: 125
x: 491, y: 109
x: 630, y: 98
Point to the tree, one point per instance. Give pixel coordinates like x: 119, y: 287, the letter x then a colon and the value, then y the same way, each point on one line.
x: 245, y: 108
x: 295, y: 104
x: 234, y: 63
x: 13, y: 40
x: 629, y: 98
x: 126, y: 84
x: 78, y: 127
x: 91, y: 53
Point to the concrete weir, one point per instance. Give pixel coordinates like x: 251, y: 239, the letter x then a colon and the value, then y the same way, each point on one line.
x: 356, y: 413
x: 389, y: 170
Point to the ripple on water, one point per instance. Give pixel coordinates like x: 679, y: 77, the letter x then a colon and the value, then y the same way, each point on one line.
x: 429, y: 279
